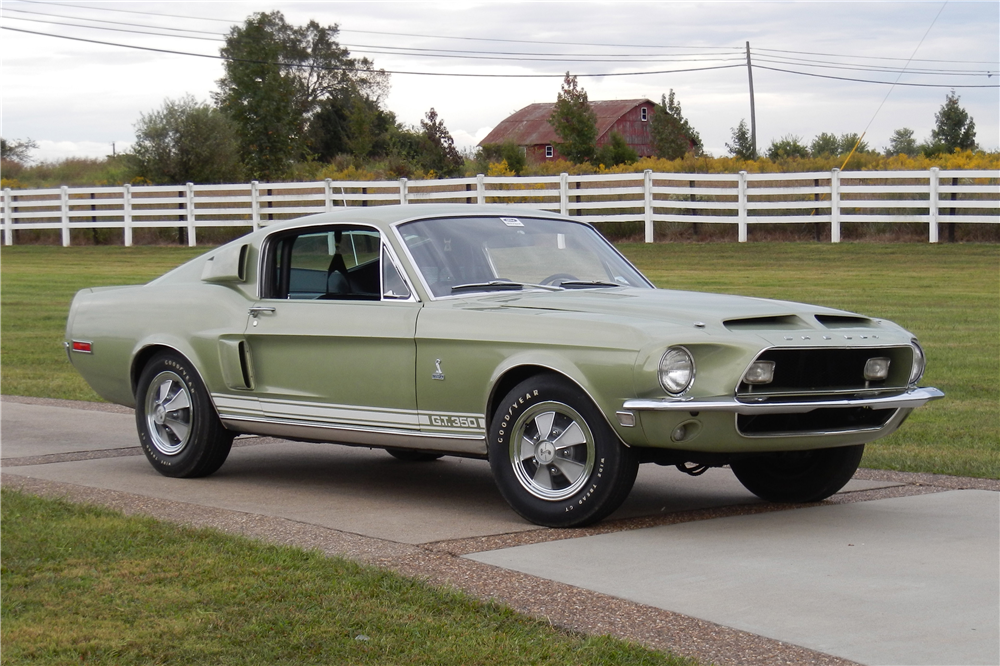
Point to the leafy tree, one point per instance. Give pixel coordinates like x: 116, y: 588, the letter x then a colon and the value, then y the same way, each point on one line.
x: 902, y: 143
x: 438, y: 150
x: 742, y: 145
x: 672, y: 135
x: 508, y: 151
x: 17, y: 150
x: 185, y: 141
x: 616, y: 151
x: 787, y: 146
x: 575, y: 122
x: 954, y: 128
x: 825, y: 143
x: 277, y: 77
x: 848, y: 141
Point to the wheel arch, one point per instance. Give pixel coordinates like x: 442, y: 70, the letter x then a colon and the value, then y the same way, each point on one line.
x: 513, y: 376
x: 142, y: 357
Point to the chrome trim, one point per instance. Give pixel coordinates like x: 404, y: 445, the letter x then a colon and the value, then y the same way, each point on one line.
x: 751, y: 398
x: 353, y: 436
x: 694, y: 371
x: 911, y: 399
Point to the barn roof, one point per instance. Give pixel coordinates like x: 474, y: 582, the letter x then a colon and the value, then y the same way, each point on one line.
x: 530, y: 126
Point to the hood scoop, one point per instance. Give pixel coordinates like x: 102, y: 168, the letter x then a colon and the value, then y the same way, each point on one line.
x: 844, y: 321
x: 769, y: 323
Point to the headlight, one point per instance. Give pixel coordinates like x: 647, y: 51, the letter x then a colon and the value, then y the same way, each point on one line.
x: 676, y: 370
x: 919, y: 363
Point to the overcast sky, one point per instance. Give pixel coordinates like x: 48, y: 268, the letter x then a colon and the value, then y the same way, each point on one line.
x: 76, y: 98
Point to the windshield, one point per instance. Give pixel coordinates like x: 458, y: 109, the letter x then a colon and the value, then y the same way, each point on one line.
x: 461, y: 255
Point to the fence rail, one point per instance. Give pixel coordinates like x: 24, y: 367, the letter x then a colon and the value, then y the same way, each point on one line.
x: 830, y: 198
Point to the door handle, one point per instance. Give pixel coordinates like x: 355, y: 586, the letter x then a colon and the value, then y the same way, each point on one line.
x: 258, y: 310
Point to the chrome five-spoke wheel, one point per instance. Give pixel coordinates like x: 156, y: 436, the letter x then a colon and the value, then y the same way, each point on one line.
x: 554, y: 457
x: 168, y: 413
x: 179, y: 429
x: 552, y: 451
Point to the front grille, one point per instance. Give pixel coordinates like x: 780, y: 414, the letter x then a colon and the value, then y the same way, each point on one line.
x: 805, y: 373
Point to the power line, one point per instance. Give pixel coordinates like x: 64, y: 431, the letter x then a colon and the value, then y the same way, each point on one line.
x: 513, y: 56
x: 357, y: 69
x: 81, y: 18
x: 841, y: 55
x: 128, y: 30
x: 888, y: 83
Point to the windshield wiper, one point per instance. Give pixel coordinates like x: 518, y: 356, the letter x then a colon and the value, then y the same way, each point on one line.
x: 502, y: 285
x: 492, y: 285
x: 587, y: 284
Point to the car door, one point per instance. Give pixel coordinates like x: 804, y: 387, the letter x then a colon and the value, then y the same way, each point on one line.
x: 332, y: 338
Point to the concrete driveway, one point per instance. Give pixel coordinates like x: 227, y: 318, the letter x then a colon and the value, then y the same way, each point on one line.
x: 896, y: 569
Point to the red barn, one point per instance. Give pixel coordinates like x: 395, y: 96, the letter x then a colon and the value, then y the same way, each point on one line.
x: 530, y: 128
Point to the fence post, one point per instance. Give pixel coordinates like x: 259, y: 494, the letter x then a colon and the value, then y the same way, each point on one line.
x: 190, y: 215
x: 742, y: 215
x: 835, y: 205
x: 403, y: 193
x: 564, y: 193
x: 64, y: 214
x: 480, y: 189
x: 933, y: 210
x: 328, y: 194
x: 647, y: 192
x: 255, y: 204
x: 8, y: 217
x: 127, y: 214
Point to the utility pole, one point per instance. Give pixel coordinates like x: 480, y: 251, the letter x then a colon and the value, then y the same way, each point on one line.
x: 753, y: 114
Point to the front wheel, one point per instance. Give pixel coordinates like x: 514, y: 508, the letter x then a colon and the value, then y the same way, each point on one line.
x: 554, y: 458
x: 799, y: 476
x: 179, y: 431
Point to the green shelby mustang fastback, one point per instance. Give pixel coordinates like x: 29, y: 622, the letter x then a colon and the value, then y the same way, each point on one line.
x: 492, y: 332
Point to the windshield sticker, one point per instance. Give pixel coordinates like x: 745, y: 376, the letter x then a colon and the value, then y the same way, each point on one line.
x: 512, y: 221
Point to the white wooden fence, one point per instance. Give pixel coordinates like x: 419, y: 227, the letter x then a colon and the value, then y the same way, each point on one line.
x: 928, y: 197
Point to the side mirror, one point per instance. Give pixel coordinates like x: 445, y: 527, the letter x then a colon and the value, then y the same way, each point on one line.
x: 229, y: 264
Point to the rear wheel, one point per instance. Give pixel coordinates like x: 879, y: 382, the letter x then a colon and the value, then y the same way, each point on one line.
x: 179, y: 431
x: 554, y: 458
x: 799, y: 476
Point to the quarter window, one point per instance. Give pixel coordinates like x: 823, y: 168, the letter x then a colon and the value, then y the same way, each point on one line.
x: 643, y: 114
x: 548, y: 151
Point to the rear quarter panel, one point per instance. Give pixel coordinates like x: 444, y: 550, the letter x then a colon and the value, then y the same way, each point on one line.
x: 122, y: 322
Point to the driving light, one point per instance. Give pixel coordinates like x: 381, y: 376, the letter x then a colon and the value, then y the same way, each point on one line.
x: 676, y: 370
x: 759, y: 372
x: 877, y: 369
x: 919, y: 363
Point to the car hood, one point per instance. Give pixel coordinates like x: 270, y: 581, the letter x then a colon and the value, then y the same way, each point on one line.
x: 772, y: 320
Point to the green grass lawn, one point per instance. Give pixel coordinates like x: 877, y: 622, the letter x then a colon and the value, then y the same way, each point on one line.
x: 87, y: 585
x: 948, y: 295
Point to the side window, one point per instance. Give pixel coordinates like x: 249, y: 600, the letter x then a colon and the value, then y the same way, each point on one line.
x: 335, y: 263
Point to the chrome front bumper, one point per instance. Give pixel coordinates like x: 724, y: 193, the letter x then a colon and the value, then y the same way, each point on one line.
x: 912, y: 399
